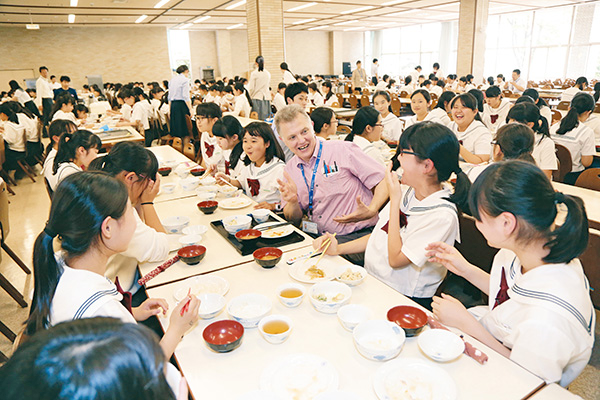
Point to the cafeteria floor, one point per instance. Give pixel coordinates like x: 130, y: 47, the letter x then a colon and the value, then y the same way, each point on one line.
x: 28, y: 212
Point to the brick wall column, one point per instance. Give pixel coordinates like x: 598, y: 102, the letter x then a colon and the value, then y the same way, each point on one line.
x: 472, y: 21
x: 266, y: 35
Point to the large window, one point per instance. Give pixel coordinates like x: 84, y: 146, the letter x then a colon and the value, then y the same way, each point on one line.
x: 179, y: 48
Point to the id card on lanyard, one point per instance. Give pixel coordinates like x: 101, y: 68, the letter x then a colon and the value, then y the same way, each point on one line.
x: 311, y: 227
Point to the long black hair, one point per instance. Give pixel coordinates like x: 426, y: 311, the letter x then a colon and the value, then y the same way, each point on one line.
x: 263, y: 130
x: 19, y: 109
x: 385, y: 95
x: 88, y: 359
x: 329, y: 94
x: 285, y: 67
x: 80, y: 204
x: 314, y: 87
x: 240, y: 86
x: 444, y: 99
x: 596, y: 91
x: 6, y: 109
x: 522, y: 189
x: 516, y: 142
x: 261, y: 63
x: 128, y: 157
x: 436, y: 142
x: 469, y: 101
x: 57, y: 128
x: 478, y: 94
x: 365, y: 116
x: 70, y: 142
x: 581, y: 103
x: 321, y: 116
x: 63, y: 99
x: 534, y: 94
x: 227, y: 127
x: 526, y: 113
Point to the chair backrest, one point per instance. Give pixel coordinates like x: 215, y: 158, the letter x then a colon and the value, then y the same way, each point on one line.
x: 4, y: 223
x: 2, y: 153
x: 189, y: 151
x: 353, y: 101
x: 177, y: 144
x: 473, y: 245
x: 366, y: 91
x: 396, y: 106
x: 364, y: 101
x: 242, y: 114
x: 507, y: 93
x: 597, y: 108
x: 434, y: 97
x: 340, y: 98
x: 563, y: 105
x: 590, y: 260
x: 335, y: 104
x: 589, y: 179
x: 556, y: 116
x: 404, y: 94
x: 343, y: 129
x: 254, y: 115
x: 565, y: 163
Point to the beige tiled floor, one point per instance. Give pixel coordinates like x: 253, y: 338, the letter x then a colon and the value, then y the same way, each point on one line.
x: 28, y: 213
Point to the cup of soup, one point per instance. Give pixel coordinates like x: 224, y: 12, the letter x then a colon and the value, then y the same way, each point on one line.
x: 275, y: 328
x: 291, y: 294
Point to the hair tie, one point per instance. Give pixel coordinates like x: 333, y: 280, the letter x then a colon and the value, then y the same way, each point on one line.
x: 49, y: 232
x: 559, y: 197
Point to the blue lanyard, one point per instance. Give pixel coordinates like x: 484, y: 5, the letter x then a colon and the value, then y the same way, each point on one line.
x: 311, y: 188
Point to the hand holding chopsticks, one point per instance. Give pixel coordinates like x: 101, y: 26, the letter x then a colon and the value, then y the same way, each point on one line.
x: 325, y: 244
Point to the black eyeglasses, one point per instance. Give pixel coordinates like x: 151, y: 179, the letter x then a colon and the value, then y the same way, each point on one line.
x: 402, y: 151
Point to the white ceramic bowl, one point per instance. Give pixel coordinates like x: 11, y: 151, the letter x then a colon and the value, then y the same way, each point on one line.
x: 290, y: 301
x: 378, y: 340
x: 328, y: 297
x: 182, y: 172
x: 172, y: 163
x: 350, y: 271
x: 204, y: 195
x: 211, y: 304
x: 195, y: 230
x: 236, y: 223
x: 168, y: 188
x: 275, y: 338
x: 190, y: 240
x: 208, y: 188
x: 351, y: 315
x: 261, y: 215
x: 190, y: 183
x: 209, y: 180
x: 441, y: 345
x: 248, y: 309
x: 228, y: 191
x: 175, y: 224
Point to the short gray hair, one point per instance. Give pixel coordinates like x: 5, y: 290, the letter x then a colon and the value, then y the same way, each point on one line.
x: 288, y: 114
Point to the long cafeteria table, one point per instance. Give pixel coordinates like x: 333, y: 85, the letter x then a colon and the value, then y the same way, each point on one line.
x: 242, y: 372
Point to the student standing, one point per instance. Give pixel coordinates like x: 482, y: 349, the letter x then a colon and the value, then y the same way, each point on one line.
x: 64, y: 88
x: 375, y: 72
x: 179, y: 99
x: 44, y: 92
x: 258, y: 87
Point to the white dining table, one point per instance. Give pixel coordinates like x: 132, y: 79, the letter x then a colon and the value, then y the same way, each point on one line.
x: 554, y: 392
x: 591, y: 200
x: 231, y: 375
x: 168, y: 155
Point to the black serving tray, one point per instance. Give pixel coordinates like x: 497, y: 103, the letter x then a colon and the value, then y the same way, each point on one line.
x: 248, y: 248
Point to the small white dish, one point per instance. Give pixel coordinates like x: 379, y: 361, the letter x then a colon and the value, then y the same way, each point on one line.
x: 378, y: 340
x: 168, y: 188
x: 236, y: 223
x: 248, y: 309
x: 228, y: 191
x: 279, y: 323
x: 329, y: 297
x: 201, y: 284
x: 182, y: 172
x: 351, y: 315
x: 190, y: 183
x: 287, y: 300
x: 175, y: 224
x: 190, y: 240
x: 205, y: 196
x: 261, y: 215
x: 211, y: 304
x: 208, y: 180
x: 351, y: 275
x: 208, y: 188
x: 195, y: 230
x: 441, y: 345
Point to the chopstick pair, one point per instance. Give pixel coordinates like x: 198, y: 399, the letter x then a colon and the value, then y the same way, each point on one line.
x: 186, y: 306
x: 328, y: 241
x: 311, y: 254
x: 161, y: 268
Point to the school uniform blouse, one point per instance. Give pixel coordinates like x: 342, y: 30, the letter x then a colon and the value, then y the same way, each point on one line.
x: 140, y: 113
x: 437, y: 90
x: 407, y: 88
x: 476, y: 138
x: 31, y: 131
x: 593, y: 122
x: 126, y: 112
x: 579, y: 141
x: 69, y: 116
x: 474, y: 170
x: 544, y: 153
x: 260, y: 183
x: 439, y: 115
x: 546, y: 113
x: 318, y: 100
x: 48, y: 163
x: 179, y: 88
x: 429, y: 220
x: 332, y: 99
x: 494, y: 118
x: 22, y: 96
x: 43, y: 88
x: 258, y: 85
x: 147, y: 245
x: 242, y: 104
x: 288, y: 77
x: 392, y: 128
x: 548, y: 321
x: 14, y: 136
x: 64, y: 169
x: 569, y: 93
x: 369, y: 149
x: 278, y: 101
x: 212, y: 154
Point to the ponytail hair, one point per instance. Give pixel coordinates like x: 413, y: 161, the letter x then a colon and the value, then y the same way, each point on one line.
x: 80, y: 204
x: 582, y: 102
x: 444, y: 99
x: 128, y: 157
x: 525, y: 113
x: 240, y: 86
x: 261, y: 63
x: 227, y: 127
x: 365, y: 116
x: 314, y: 87
x: 516, y: 142
x: 523, y: 190
x: 70, y: 142
x: 436, y: 142
x: 6, y: 109
x: 57, y: 128
x: 137, y: 92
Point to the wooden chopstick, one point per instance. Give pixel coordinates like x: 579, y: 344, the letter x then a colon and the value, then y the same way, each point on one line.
x: 328, y: 241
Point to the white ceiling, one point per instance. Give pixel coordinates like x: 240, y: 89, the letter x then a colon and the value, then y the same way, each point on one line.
x: 324, y: 15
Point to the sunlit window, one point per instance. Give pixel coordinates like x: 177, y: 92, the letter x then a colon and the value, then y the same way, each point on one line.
x: 179, y: 48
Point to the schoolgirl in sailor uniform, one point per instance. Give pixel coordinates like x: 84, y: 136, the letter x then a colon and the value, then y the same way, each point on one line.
x: 474, y: 138
x: 420, y: 101
x: 75, y: 152
x: 392, y: 126
x: 495, y: 109
x: 229, y: 132
x: 540, y: 314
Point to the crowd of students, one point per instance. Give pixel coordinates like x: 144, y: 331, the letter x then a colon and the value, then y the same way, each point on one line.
x: 474, y: 153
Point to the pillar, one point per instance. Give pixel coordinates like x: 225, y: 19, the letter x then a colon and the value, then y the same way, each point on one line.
x: 472, y: 21
x: 224, y: 55
x: 266, y: 35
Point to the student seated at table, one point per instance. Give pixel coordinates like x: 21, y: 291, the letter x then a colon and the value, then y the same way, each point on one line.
x: 278, y: 99
x: 324, y: 122
x: 392, y: 126
x: 334, y: 182
x: 23, y: 98
x: 544, y: 150
x: 75, y: 153
x: 514, y: 141
x: 14, y: 139
x: 63, y: 109
x: 328, y: 96
x: 539, y: 314
x: 33, y: 146
x: 314, y: 95
x: 420, y: 101
x: 495, y: 109
x: 126, y: 100
x: 540, y: 103
x: 442, y: 109
x: 207, y: 114
x: 93, y: 216
x: 243, y: 102
x: 227, y: 102
x: 366, y: 131
x: 474, y: 138
x: 577, y: 137
x: 229, y: 133
x: 98, y: 359
x: 55, y: 131
x: 580, y: 84
x: 263, y: 167
x: 81, y: 112
x: 408, y: 86
x: 137, y: 168
x: 425, y: 209
x: 381, y: 85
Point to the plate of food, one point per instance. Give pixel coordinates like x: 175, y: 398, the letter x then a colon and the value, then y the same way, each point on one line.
x: 234, y: 203
x: 277, y: 232
x: 412, y: 378
x: 201, y: 284
x: 305, y: 271
x: 299, y: 377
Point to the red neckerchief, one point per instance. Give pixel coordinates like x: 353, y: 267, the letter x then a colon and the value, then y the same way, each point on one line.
x: 210, y: 148
x: 494, y: 118
x: 254, y: 186
x: 126, y: 296
x: 502, y: 295
x: 227, y: 166
x: 403, y: 222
